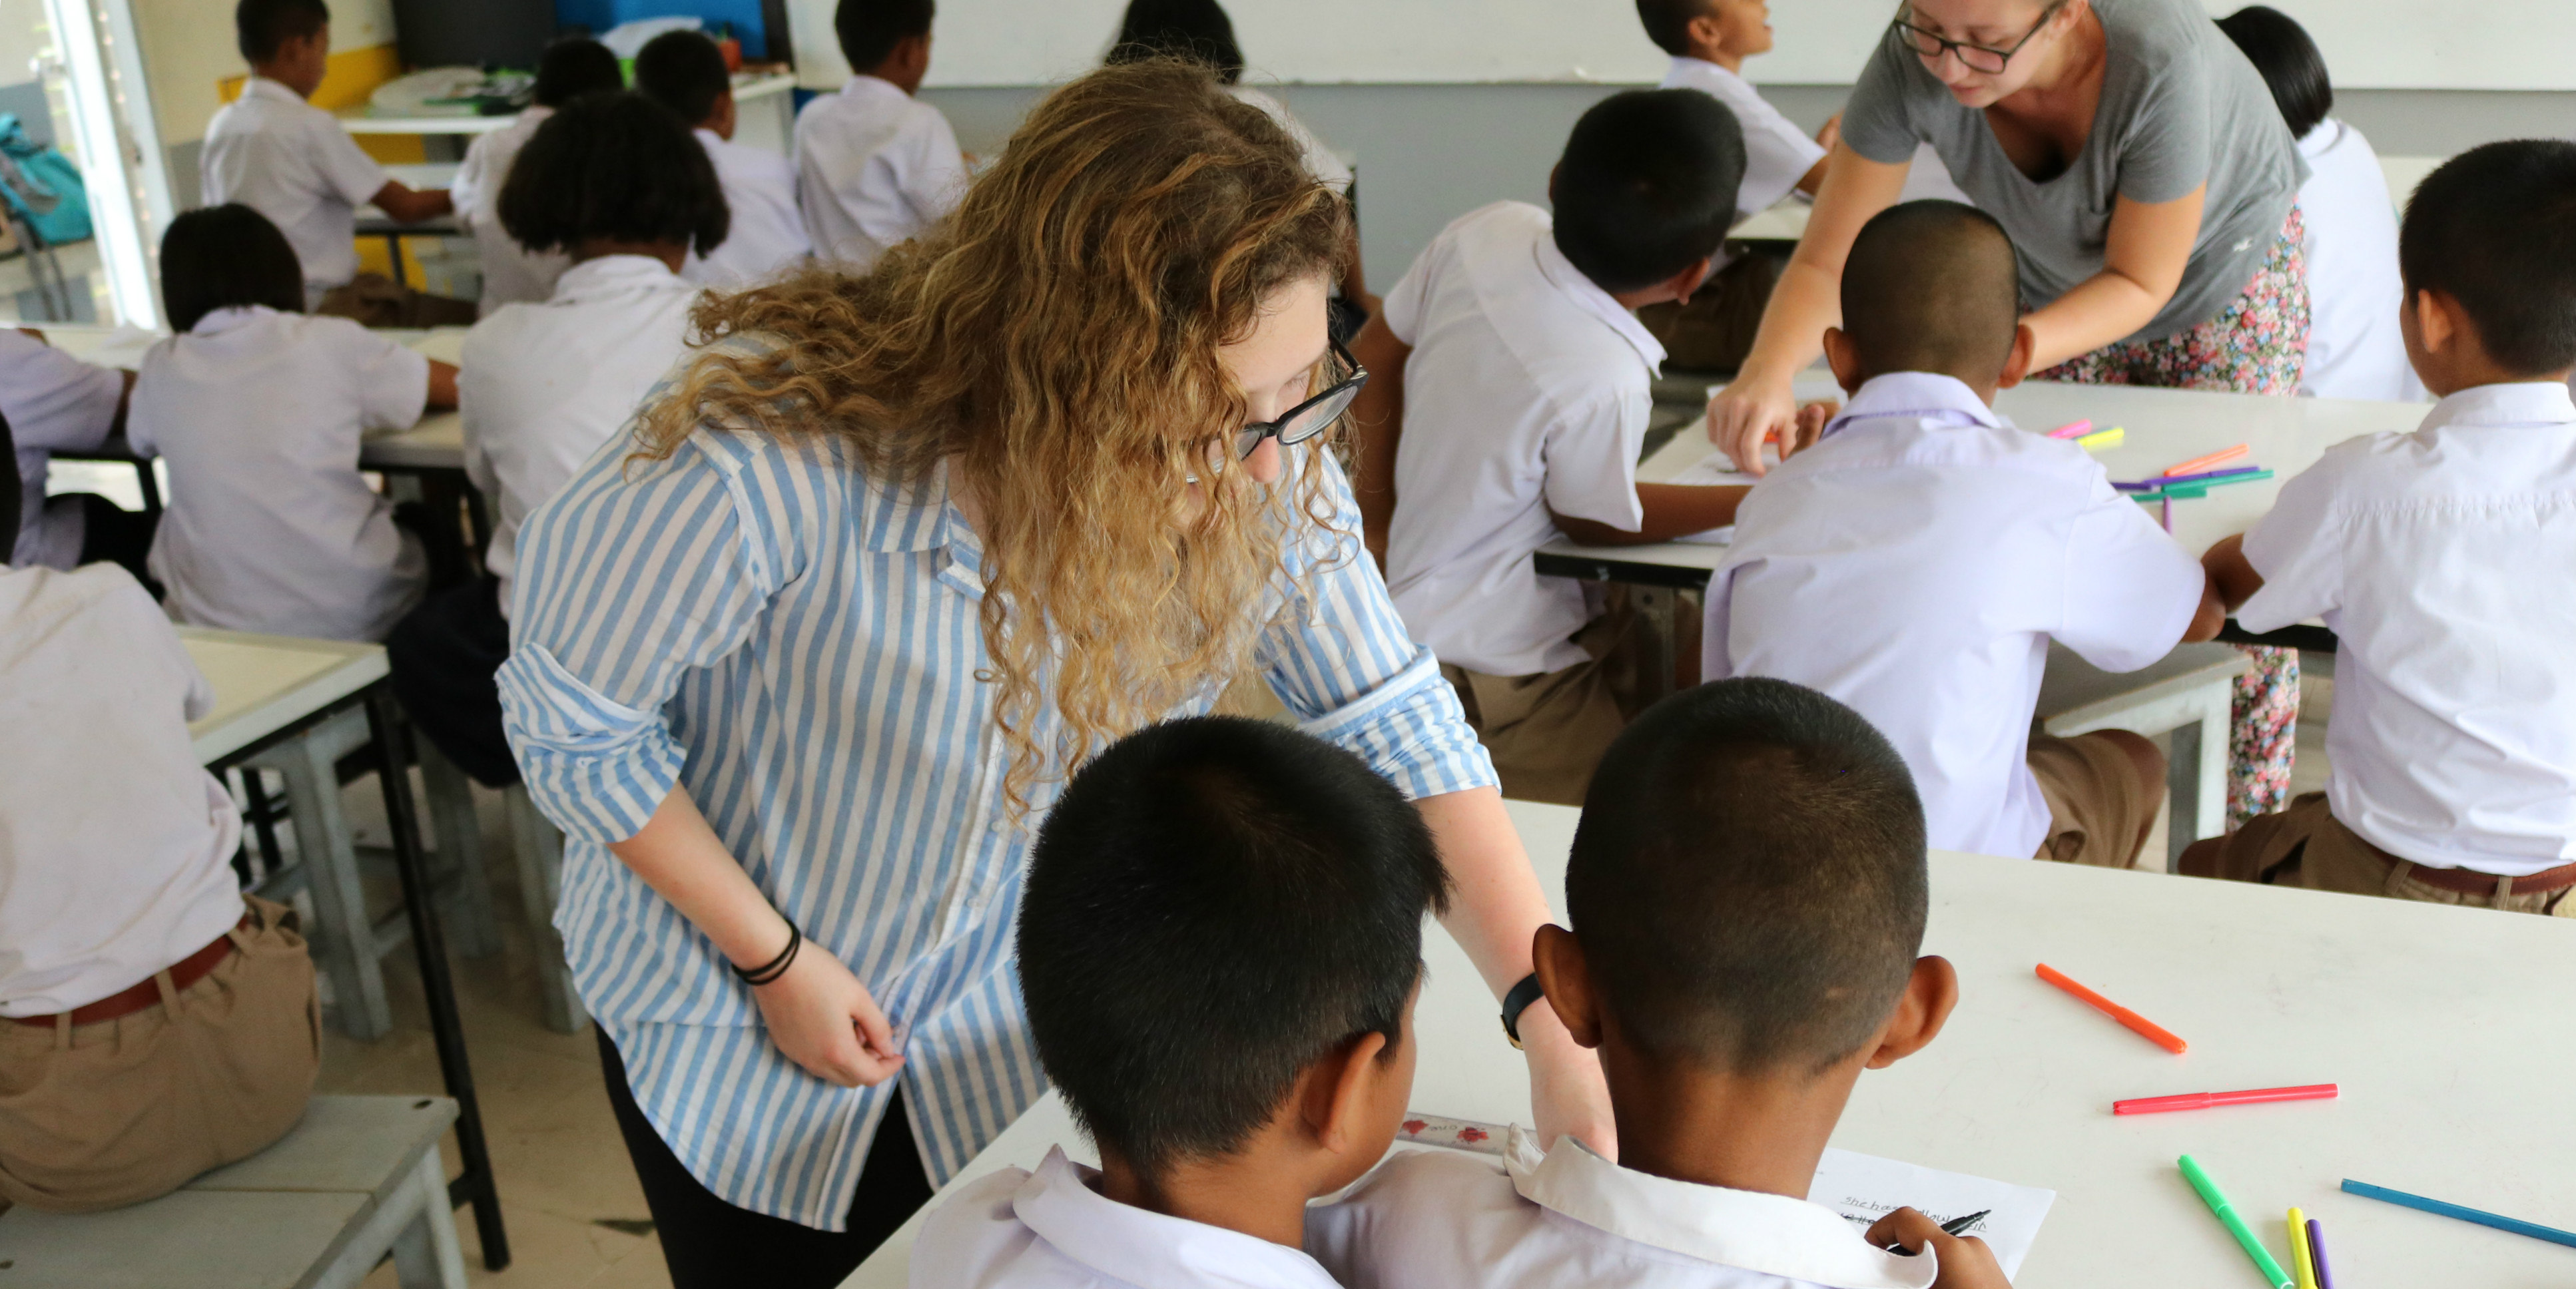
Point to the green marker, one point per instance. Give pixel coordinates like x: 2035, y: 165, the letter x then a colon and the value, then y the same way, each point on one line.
x: 2217, y: 1201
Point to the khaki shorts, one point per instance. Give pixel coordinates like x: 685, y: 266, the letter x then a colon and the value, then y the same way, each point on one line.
x: 1547, y: 731
x: 2098, y: 812
x: 126, y: 1110
x: 2306, y: 845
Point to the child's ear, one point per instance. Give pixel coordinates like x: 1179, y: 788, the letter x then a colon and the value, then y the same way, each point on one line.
x: 1704, y: 31
x: 1565, y: 982
x: 1925, y: 1006
x: 1844, y: 359
x: 1691, y: 279
x: 1339, y: 1092
x: 2017, y: 363
x: 2437, y: 322
x: 1552, y: 172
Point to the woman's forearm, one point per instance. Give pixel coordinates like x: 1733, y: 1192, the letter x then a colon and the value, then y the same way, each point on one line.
x: 2101, y: 310
x: 682, y: 859
x: 1806, y: 300
x: 1495, y: 907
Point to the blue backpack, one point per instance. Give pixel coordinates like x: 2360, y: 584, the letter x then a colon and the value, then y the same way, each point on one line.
x: 42, y: 186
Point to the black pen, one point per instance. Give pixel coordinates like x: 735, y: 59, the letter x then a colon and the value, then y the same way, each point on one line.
x: 1952, y: 1227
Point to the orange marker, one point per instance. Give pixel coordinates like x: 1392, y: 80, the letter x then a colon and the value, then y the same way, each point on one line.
x: 2202, y: 463
x: 2151, y: 1031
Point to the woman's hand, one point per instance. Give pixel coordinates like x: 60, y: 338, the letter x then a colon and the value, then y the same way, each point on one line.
x: 1567, y: 1093
x: 825, y: 1021
x: 1754, y: 409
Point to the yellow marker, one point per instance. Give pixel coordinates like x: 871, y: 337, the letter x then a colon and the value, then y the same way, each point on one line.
x: 2305, y: 1262
x: 2102, y: 439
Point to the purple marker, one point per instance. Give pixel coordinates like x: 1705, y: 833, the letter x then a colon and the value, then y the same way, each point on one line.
x: 2317, y: 1254
x: 2150, y: 485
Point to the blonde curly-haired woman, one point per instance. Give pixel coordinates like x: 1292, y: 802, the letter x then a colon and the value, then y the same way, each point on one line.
x: 800, y: 674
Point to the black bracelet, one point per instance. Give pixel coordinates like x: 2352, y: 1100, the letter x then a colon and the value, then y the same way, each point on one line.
x: 1518, y: 1001
x: 775, y: 967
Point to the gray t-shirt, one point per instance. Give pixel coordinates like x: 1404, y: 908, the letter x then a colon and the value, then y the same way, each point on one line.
x: 2180, y: 106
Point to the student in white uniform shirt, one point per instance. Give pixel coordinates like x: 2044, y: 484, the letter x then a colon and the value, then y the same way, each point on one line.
x: 2354, y: 350
x: 1709, y: 41
x: 1509, y: 402
x: 1915, y: 562
x: 56, y: 403
x: 1748, y: 893
x: 2441, y: 559
x: 1201, y: 30
x: 259, y: 410
x: 289, y: 160
x: 874, y: 165
x: 1220, y: 942
x: 617, y: 185
x: 512, y: 273
x: 116, y: 879
x: 685, y: 73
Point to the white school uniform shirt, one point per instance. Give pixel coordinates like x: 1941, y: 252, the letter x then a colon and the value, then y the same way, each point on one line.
x: 1435, y: 1219
x: 767, y: 235
x: 2354, y: 349
x: 289, y: 160
x: 511, y: 273
x: 2441, y: 558
x: 874, y: 166
x: 115, y: 845
x: 1528, y: 391
x: 55, y: 403
x: 269, y: 528
x: 542, y: 386
x: 1777, y: 154
x: 1321, y: 161
x: 1915, y: 563
x: 1053, y: 1229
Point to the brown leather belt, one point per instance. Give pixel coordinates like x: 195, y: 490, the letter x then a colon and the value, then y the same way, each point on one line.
x: 146, y: 992
x: 2469, y: 881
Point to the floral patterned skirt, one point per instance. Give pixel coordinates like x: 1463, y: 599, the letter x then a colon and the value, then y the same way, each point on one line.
x: 2258, y: 345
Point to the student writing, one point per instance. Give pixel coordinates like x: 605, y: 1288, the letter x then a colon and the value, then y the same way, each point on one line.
x: 2440, y: 558
x: 1917, y: 560
x: 1747, y: 891
x: 1511, y: 390
x: 1220, y: 945
x: 873, y: 163
x: 685, y: 73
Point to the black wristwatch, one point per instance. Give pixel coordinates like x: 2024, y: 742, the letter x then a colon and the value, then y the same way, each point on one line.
x: 1518, y: 1001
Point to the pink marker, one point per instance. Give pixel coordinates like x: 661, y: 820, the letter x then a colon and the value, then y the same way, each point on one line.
x: 2205, y: 1100
x: 2075, y: 431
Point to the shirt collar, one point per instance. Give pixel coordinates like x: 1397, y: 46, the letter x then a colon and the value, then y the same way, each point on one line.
x: 219, y: 321
x: 863, y: 85
x: 2522, y: 405
x: 1586, y: 293
x: 607, y: 274
x: 1129, y: 1245
x: 1927, y: 396
x: 1686, y: 68
x: 1750, y: 1230
x: 263, y: 87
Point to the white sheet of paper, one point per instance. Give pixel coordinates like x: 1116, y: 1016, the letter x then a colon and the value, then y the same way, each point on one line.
x: 1715, y: 468
x: 1713, y: 537
x: 1865, y: 1188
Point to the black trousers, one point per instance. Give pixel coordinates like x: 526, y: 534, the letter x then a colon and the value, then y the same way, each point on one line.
x: 443, y: 656
x: 707, y: 1242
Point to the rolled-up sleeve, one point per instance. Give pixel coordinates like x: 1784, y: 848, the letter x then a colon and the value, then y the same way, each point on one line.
x: 1339, y: 658
x: 627, y: 580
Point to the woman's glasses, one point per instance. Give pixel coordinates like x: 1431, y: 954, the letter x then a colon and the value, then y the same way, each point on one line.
x: 1312, y: 417
x: 1976, y: 58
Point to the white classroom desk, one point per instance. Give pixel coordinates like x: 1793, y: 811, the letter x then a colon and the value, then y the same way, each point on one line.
x: 2445, y: 1027
x: 766, y: 115
x: 265, y: 683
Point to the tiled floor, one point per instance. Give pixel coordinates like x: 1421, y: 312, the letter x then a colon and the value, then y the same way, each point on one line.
x: 568, y: 1195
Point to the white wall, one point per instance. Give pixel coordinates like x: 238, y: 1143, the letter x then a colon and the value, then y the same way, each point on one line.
x: 2370, y: 44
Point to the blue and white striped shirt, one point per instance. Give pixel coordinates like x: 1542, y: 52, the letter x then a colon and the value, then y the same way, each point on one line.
x: 756, y: 621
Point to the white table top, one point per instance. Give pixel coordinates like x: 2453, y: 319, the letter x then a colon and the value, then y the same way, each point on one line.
x: 265, y: 683
x: 2443, y: 1025
x: 358, y: 120
x: 2165, y: 427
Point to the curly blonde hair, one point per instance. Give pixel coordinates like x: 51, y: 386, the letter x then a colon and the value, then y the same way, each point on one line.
x: 1055, y: 341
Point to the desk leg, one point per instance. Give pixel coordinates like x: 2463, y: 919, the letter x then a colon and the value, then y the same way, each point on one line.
x: 445, y: 1027
x: 1656, y: 618
x: 2183, y: 791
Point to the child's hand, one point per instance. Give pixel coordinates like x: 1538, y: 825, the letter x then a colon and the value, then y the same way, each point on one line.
x: 1965, y: 1261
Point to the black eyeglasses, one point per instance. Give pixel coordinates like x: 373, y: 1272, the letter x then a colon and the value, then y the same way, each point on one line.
x: 1312, y: 417
x: 1976, y: 58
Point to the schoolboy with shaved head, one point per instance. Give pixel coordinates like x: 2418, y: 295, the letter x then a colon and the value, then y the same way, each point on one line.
x: 1918, y: 559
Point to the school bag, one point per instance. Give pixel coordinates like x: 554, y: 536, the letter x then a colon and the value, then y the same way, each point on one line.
x: 42, y: 186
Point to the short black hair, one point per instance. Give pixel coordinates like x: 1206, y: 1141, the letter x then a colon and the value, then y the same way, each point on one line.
x: 1198, y: 30
x: 1932, y: 286
x: 2495, y: 229
x: 1214, y: 904
x: 684, y: 72
x: 616, y: 166
x: 1747, y: 882
x: 262, y: 27
x: 1647, y: 186
x: 2280, y: 49
x: 223, y: 257
x: 1668, y: 22
x: 574, y: 66
x: 870, y: 29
